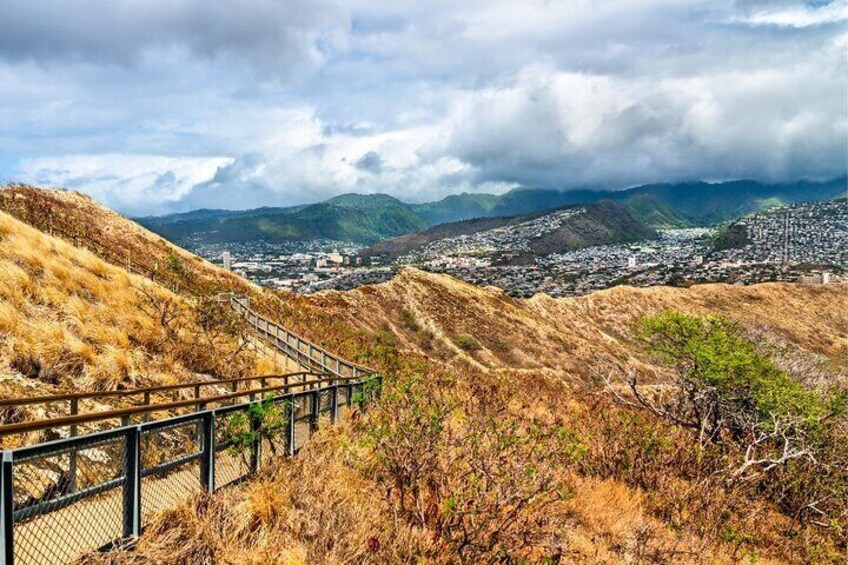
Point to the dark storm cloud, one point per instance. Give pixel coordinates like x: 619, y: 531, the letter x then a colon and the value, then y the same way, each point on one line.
x: 269, y: 33
x: 370, y: 162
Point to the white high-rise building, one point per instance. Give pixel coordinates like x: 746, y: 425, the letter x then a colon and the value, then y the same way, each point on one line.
x: 228, y: 260
x: 631, y: 262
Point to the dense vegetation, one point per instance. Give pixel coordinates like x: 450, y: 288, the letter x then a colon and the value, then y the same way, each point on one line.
x: 784, y: 433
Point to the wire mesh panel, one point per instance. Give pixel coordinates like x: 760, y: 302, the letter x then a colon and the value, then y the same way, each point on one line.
x: 75, y: 495
x: 274, y: 447
x: 302, y: 420
x: 344, y: 401
x: 344, y: 397
x: 170, y: 467
x: 231, y: 464
x: 276, y: 442
x: 70, y: 501
x: 325, y: 402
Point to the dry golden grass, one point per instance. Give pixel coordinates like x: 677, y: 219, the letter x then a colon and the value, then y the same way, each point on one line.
x: 71, y: 322
x: 313, y: 509
x: 551, y: 349
x: 321, y: 508
x: 570, y: 335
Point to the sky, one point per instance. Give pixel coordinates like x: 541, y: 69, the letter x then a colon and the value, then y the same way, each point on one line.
x: 157, y: 106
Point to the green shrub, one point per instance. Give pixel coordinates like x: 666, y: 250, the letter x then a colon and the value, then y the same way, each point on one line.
x: 467, y: 343
x: 175, y: 264
x: 264, y: 419
x: 726, y: 382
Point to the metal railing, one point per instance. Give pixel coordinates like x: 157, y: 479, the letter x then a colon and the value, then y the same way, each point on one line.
x: 71, y: 496
x: 75, y: 403
x: 125, y: 476
x: 303, y: 352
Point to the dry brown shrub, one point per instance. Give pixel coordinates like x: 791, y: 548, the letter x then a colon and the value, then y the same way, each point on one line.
x: 313, y: 509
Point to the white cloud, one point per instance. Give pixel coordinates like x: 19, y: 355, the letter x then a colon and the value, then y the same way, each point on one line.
x: 127, y: 182
x: 797, y: 16
x: 189, y: 103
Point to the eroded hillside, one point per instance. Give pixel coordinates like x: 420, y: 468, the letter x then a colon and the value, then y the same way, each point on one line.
x: 436, y: 315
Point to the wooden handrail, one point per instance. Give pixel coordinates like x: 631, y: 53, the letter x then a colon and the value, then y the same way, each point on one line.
x: 23, y: 427
x: 162, y: 388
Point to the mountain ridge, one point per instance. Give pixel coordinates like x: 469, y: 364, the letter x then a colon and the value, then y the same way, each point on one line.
x: 369, y: 218
x: 603, y: 222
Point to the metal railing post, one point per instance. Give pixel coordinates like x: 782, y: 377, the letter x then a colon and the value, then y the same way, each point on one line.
x: 72, y: 464
x: 146, y: 402
x: 256, y: 448
x: 207, y: 457
x: 316, y: 406
x: 7, y: 510
x: 334, y: 406
x: 290, y: 425
x: 132, y: 483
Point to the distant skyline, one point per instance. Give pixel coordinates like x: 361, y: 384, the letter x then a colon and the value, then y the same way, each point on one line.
x: 157, y: 106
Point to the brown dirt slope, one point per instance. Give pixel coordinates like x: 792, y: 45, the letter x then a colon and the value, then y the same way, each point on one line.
x: 435, y: 314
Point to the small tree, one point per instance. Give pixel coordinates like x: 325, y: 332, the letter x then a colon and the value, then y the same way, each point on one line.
x: 723, y: 388
x: 265, y: 419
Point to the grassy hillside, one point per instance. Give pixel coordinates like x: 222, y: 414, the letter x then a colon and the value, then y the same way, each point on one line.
x: 603, y: 223
x: 70, y: 321
x: 482, y: 388
x: 496, y: 438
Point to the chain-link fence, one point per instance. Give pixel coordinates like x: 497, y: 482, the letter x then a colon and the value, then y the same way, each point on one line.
x: 62, y: 499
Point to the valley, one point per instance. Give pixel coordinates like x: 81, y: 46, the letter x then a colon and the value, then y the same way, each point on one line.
x: 569, y: 252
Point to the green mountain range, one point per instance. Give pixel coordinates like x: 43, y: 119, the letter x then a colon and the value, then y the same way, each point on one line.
x: 349, y: 217
x: 372, y: 218
x: 663, y: 205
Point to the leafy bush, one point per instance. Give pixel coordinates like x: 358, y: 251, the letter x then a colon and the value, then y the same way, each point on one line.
x: 264, y: 419
x: 755, y: 424
x: 726, y: 385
